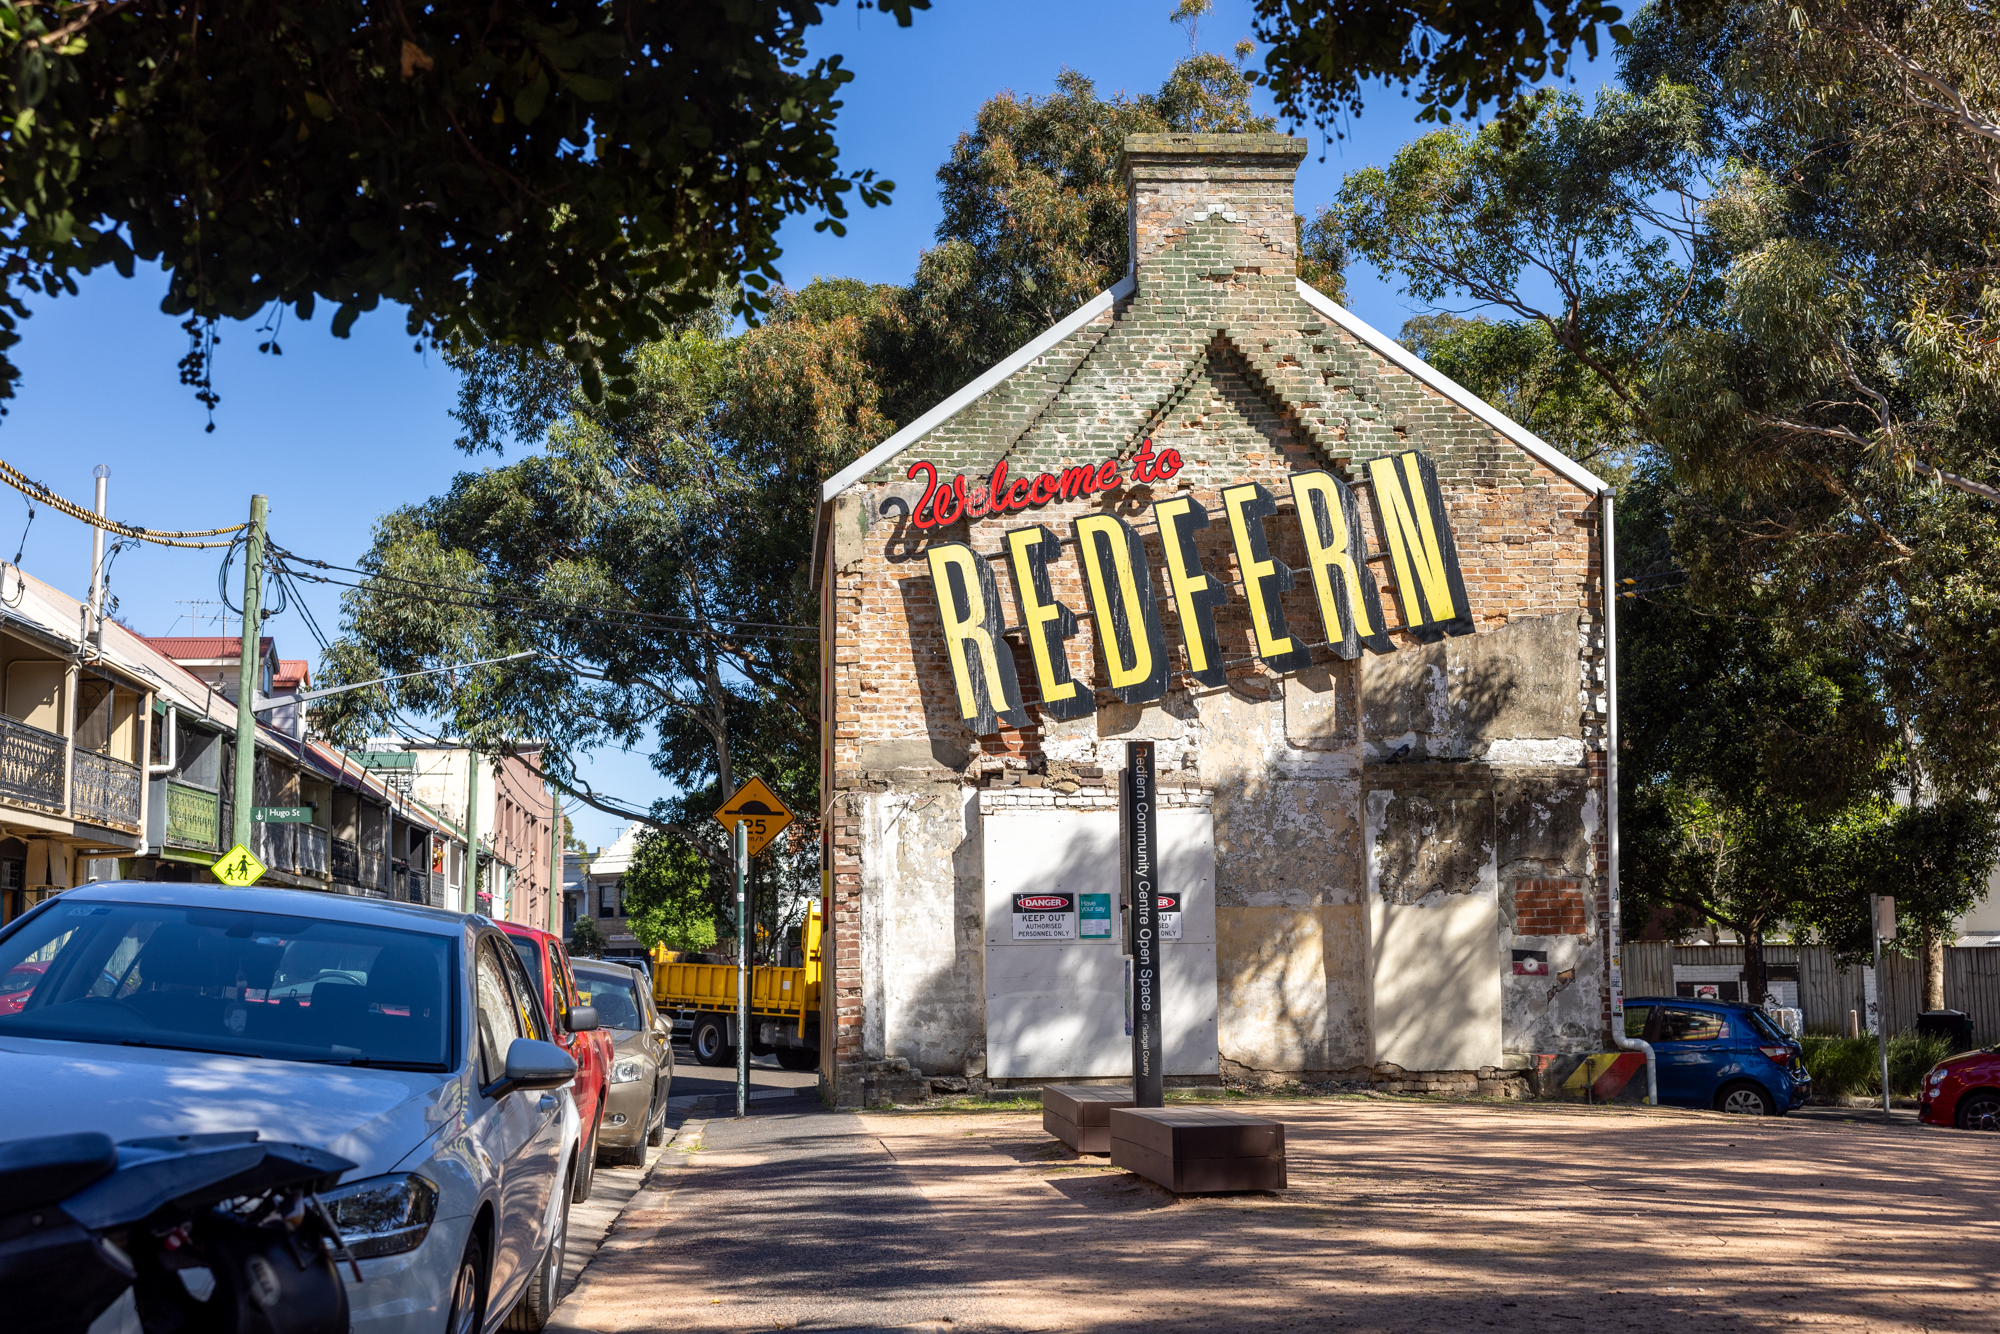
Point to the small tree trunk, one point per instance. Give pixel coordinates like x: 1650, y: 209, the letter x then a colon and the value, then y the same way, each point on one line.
x: 1933, y: 940
x: 1753, y: 964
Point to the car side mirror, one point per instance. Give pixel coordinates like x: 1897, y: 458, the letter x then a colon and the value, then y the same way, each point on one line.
x: 533, y: 1064
x: 582, y: 1019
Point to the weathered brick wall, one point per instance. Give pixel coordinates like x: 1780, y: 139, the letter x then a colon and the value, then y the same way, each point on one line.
x: 1215, y: 355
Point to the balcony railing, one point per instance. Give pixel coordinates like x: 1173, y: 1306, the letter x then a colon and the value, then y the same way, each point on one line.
x: 346, y: 861
x: 192, y: 818
x: 273, y: 844
x: 107, y: 791
x: 420, y: 887
x: 312, y: 850
x: 375, y: 872
x: 31, y: 765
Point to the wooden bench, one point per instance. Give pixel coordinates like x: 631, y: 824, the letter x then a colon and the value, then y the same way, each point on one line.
x: 1080, y: 1114
x: 1190, y: 1150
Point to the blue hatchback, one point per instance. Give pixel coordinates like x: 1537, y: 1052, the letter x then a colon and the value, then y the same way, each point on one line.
x: 1733, y: 1058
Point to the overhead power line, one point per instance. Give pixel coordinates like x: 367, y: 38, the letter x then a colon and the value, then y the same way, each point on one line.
x: 479, y: 599
x: 33, y: 489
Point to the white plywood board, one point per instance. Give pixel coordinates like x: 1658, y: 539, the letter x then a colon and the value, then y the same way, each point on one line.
x: 1056, y: 1010
x: 1437, y: 992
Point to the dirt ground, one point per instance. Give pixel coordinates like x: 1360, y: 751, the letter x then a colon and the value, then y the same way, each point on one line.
x: 1400, y: 1216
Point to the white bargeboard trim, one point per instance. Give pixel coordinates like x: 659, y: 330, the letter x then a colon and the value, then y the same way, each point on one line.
x: 971, y: 393
x: 1554, y: 458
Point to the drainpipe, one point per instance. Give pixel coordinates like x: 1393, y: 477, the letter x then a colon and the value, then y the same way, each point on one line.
x: 1612, y: 921
x: 173, y: 744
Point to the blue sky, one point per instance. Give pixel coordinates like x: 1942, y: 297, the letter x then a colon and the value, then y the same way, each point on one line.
x: 338, y: 431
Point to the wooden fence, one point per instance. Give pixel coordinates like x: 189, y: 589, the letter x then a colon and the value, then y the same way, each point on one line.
x: 1827, y: 992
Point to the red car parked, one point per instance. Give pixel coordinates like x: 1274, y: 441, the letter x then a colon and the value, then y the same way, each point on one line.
x: 18, y: 985
x: 1963, y: 1091
x: 548, y: 966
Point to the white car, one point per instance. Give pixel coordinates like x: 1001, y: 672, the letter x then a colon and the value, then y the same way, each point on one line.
x: 405, y: 1039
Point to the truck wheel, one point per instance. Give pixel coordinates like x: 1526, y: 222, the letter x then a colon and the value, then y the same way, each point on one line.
x: 798, y: 1058
x: 710, y: 1041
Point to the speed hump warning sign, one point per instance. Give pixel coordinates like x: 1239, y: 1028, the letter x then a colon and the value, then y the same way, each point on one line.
x: 758, y: 807
x: 237, y: 868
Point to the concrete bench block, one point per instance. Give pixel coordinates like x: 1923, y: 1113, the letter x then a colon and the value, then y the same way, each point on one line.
x: 1190, y: 1150
x: 1080, y: 1114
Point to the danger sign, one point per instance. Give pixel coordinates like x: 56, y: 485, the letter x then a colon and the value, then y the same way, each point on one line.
x: 1045, y: 916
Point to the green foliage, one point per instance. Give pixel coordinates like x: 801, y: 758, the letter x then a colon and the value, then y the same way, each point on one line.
x: 572, y: 171
x: 1517, y: 366
x: 672, y: 894
x: 1584, y: 205
x: 1852, y: 1067
x: 585, y: 940
x: 1461, y: 56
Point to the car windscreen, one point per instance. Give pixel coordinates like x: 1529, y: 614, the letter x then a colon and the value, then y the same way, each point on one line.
x: 232, y: 981
x: 614, y: 998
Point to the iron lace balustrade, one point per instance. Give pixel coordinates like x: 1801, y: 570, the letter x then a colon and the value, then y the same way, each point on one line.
x: 346, y: 861
x: 420, y: 887
x: 192, y: 817
x: 313, y: 858
x: 375, y: 872
x: 31, y: 766
x: 107, y: 791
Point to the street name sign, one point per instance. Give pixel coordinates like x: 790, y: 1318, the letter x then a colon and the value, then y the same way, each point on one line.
x: 281, y: 815
x: 758, y: 807
x: 238, y: 869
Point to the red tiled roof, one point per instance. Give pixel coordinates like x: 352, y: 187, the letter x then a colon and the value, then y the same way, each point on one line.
x: 291, y: 672
x: 197, y: 647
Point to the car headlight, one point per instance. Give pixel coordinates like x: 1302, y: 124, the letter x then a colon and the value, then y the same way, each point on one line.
x: 625, y: 1072
x: 1937, y: 1076
x: 383, y: 1215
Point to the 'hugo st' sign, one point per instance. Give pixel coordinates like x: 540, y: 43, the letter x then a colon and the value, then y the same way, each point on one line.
x: 1118, y: 580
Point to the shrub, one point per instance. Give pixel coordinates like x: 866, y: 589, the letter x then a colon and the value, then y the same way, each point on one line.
x: 1853, y: 1066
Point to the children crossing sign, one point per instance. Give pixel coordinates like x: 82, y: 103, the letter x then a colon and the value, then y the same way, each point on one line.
x: 758, y: 807
x: 238, y: 869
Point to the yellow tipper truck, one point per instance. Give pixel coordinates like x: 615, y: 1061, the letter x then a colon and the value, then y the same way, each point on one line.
x: 784, y: 1004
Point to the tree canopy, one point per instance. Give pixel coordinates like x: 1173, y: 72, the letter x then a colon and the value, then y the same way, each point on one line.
x: 565, y: 173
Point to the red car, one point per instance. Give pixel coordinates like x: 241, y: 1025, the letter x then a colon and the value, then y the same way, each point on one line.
x: 1963, y: 1091
x: 18, y: 985
x: 548, y: 967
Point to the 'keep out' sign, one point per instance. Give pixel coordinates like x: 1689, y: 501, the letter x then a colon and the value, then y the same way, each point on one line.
x: 1044, y: 916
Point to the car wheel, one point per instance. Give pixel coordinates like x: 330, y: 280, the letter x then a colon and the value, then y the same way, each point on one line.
x: 1744, y: 1099
x: 798, y: 1058
x: 1979, y: 1111
x: 544, y: 1290
x: 586, y: 1162
x: 468, y: 1291
x: 710, y: 1041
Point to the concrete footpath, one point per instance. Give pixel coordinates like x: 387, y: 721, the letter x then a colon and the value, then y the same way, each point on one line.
x: 1401, y: 1216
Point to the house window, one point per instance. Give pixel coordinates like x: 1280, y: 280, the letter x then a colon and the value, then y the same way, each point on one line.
x: 607, y: 900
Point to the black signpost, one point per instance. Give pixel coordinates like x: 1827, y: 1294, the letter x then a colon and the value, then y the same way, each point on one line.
x: 1148, y: 1054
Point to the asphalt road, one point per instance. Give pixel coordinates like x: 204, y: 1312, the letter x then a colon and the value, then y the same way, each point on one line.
x: 694, y: 1082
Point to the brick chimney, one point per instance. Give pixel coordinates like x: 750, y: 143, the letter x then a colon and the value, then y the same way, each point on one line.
x: 1223, y: 200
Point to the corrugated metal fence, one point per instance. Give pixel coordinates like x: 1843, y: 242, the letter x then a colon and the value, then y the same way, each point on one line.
x: 1827, y: 993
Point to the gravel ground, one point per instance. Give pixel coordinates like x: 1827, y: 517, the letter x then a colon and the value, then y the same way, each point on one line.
x: 1401, y: 1216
